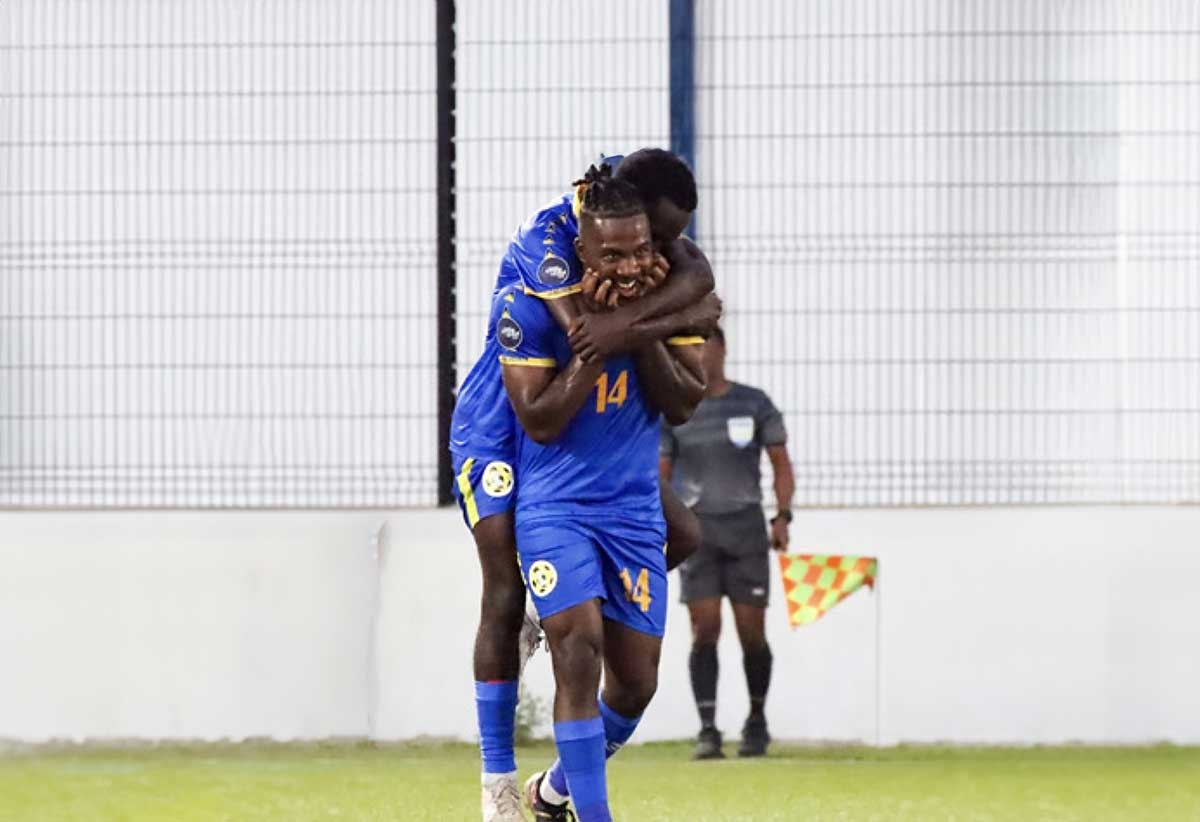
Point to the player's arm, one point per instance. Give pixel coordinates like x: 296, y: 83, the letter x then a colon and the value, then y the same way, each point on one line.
x: 672, y: 375
x: 659, y: 314
x: 546, y: 399
x: 544, y: 396
x: 700, y: 317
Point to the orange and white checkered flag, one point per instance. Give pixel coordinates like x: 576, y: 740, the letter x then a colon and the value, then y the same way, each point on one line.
x: 814, y: 583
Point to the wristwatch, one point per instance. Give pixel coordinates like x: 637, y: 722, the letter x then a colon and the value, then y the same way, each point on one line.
x: 784, y: 514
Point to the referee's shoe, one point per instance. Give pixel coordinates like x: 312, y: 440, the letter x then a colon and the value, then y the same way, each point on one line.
x: 755, y: 738
x: 708, y: 745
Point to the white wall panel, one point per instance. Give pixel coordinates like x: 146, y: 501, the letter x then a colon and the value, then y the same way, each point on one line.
x: 1015, y: 625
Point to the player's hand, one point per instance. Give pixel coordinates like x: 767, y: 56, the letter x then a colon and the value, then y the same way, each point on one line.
x: 599, y: 290
x: 704, y: 316
x: 595, y: 336
x: 779, y: 534
x: 656, y: 275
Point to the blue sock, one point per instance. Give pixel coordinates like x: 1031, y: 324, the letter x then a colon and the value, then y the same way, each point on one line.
x: 581, y: 749
x: 496, y: 708
x: 617, y: 730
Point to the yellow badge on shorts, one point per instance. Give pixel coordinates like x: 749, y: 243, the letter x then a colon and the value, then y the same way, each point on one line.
x: 497, y: 479
x: 542, y: 578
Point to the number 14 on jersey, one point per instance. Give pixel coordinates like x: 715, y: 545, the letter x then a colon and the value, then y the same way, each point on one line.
x: 615, y: 395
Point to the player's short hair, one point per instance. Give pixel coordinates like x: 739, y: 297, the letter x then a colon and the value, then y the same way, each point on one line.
x: 602, y: 195
x: 657, y: 173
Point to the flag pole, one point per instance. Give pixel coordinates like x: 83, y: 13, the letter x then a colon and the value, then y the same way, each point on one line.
x: 878, y: 654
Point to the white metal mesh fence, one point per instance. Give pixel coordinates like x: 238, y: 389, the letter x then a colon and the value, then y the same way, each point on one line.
x: 217, y: 253
x: 543, y: 90
x: 959, y: 241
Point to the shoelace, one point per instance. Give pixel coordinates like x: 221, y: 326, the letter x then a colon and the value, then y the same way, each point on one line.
x: 508, y: 800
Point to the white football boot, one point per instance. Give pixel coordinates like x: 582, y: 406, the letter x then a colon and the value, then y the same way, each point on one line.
x: 501, y: 798
x: 530, y: 639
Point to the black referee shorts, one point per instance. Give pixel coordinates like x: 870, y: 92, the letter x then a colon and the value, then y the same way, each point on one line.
x: 733, y: 560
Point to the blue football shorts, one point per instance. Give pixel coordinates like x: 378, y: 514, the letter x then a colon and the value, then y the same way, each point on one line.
x: 484, y: 486
x: 566, y: 561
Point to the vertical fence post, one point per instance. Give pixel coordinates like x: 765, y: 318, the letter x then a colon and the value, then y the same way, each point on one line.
x: 447, y: 272
x: 682, y: 23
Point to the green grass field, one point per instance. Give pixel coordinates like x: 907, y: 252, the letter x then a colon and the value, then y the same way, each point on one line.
x: 654, y: 783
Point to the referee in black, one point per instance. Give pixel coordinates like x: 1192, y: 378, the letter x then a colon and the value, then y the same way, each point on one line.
x: 713, y: 463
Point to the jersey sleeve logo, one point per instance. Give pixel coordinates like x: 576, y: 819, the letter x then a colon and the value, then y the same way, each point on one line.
x: 543, y: 578
x: 553, y: 271
x: 508, y: 332
x: 741, y: 430
x: 497, y: 479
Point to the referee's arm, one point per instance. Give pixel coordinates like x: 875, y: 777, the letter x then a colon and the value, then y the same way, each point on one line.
x: 785, y: 487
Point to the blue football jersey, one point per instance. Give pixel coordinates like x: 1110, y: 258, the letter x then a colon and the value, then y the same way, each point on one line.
x: 606, y: 460
x: 541, y: 254
x: 540, y: 260
x: 483, y: 423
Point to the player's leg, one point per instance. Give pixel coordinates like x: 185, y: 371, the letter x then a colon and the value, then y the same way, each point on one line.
x: 563, y: 570
x: 497, y: 665
x: 487, y: 510
x: 631, y: 660
x: 576, y: 639
x: 683, y: 527
x: 502, y: 600
x: 635, y: 611
x: 748, y: 581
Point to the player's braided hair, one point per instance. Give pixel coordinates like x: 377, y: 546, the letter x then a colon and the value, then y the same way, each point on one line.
x: 602, y: 195
x: 657, y: 173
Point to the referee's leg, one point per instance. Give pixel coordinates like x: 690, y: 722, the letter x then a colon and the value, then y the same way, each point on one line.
x: 700, y: 583
x: 757, y: 660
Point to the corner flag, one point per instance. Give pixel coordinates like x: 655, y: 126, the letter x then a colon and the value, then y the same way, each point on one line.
x: 814, y: 583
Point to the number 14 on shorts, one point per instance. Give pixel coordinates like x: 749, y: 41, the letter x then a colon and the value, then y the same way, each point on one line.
x: 639, y: 592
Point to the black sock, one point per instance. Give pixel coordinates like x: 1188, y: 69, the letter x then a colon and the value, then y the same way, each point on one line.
x: 757, y: 664
x: 703, y: 666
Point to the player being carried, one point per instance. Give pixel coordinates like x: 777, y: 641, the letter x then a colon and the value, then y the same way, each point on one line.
x: 541, y: 261
x: 589, y: 519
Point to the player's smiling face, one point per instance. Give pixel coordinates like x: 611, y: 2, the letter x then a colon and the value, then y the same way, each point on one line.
x: 618, y: 249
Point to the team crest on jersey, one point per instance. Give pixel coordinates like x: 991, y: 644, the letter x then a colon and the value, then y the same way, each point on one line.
x: 543, y: 577
x: 553, y: 271
x: 741, y: 430
x: 509, y: 333
x: 497, y: 479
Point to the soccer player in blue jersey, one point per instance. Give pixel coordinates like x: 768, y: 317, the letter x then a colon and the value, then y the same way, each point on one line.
x: 590, y: 525
x: 541, y: 258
